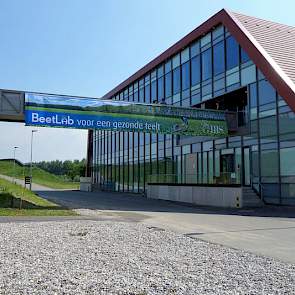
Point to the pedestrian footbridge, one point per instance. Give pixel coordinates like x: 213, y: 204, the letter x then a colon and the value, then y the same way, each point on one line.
x: 12, y: 105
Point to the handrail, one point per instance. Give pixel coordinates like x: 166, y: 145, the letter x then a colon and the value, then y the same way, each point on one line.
x: 196, y: 178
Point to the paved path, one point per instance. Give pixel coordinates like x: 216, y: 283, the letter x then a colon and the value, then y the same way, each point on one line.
x: 257, y: 231
x: 35, y: 187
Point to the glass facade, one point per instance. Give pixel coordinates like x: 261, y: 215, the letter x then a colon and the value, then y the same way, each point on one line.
x: 212, y: 72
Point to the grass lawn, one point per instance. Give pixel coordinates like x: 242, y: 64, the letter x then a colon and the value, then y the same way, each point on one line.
x: 39, y: 176
x: 41, y: 207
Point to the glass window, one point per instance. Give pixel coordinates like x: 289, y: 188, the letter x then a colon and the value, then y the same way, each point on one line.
x: 147, y: 78
x: 217, y: 32
x: 248, y: 75
x: 160, y: 71
x: 232, y: 53
x: 135, y: 97
x: 196, y: 70
x: 176, y: 80
x: 206, y: 64
x: 287, y: 161
x: 268, y: 127
x: 160, y: 88
x: 253, y: 101
x: 232, y: 79
x: 168, y: 85
x: 195, y: 49
x: 184, y: 55
x: 154, y: 91
x: 126, y: 94
x: 185, y: 71
x: 176, y: 61
x: 168, y: 66
x: 206, y: 39
x: 218, y: 58
x: 219, y: 84
x: 244, y: 56
x: 147, y: 94
x: 269, y: 164
x: 267, y: 93
x: 141, y: 94
x: 253, y: 95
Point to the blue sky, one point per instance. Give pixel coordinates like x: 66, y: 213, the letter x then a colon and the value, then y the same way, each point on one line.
x: 87, y: 47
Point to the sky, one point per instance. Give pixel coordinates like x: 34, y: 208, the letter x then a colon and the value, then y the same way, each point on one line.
x: 87, y: 47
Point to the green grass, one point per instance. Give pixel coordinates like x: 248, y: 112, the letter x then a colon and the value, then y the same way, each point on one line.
x: 35, y: 212
x: 40, y: 206
x: 39, y: 176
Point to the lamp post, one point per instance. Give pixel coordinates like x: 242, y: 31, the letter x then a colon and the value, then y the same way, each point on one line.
x: 31, y: 165
x: 14, y: 172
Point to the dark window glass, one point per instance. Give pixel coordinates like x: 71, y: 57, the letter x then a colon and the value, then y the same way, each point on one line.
x: 196, y: 70
x: 154, y: 91
x: 244, y: 56
x: 266, y: 92
x: 176, y: 80
x: 206, y: 64
x: 185, y: 71
x: 168, y: 85
x: 160, y: 88
x: 232, y: 53
x: 147, y: 94
x: 218, y: 58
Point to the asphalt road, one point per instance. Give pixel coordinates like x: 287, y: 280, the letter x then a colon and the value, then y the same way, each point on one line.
x: 266, y: 231
x: 35, y: 187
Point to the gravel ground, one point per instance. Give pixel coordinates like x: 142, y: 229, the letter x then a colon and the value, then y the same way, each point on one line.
x: 88, y: 257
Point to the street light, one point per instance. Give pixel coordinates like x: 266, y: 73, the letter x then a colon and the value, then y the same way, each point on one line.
x: 14, y: 172
x: 31, y: 166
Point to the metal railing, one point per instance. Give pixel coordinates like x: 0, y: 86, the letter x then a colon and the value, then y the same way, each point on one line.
x: 223, y: 178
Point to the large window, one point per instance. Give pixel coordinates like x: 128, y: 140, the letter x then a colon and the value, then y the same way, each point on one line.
x: 185, y: 70
x: 207, y: 64
x: 168, y: 85
x: 218, y: 58
x: 196, y: 70
x: 176, y: 80
x: 232, y: 53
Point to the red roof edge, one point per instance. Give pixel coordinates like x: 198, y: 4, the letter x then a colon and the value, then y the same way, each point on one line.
x: 259, y: 56
x: 181, y: 44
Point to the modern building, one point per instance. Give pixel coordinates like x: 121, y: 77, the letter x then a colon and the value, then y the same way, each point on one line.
x: 230, y: 62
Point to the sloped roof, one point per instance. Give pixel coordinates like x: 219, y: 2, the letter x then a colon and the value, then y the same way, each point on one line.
x: 270, y: 45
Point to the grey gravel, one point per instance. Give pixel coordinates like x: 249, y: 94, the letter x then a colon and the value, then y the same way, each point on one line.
x: 89, y: 257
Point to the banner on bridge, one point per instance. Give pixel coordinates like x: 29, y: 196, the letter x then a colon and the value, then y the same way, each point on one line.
x: 88, y: 113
